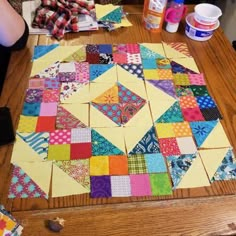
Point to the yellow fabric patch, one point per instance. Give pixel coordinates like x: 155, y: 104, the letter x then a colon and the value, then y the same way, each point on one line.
x: 99, y: 165
x: 110, y: 96
x: 27, y: 124
x: 59, y: 152
x: 165, y: 130
x: 181, y: 79
x: 151, y: 74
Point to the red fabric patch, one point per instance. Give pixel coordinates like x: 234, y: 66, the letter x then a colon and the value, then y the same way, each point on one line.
x: 46, y: 124
x: 92, y: 58
x: 192, y: 114
x: 80, y: 151
x: 169, y: 146
x: 119, y: 58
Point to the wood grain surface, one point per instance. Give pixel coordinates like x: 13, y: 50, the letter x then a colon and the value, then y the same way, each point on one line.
x: 217, y: 60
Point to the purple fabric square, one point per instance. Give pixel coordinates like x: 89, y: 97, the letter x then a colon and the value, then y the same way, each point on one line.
x: 34, y: 95
x: 52, y: 83
x: 100, y: 186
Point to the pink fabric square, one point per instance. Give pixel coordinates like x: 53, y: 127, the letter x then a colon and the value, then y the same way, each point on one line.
x: 134, y: 58
x: 119, y: 58
x: 36, y: 83
x: 82, y: 72
x: 133, y: 48
x: 196, y: 79
x: 62, y: 136
x: 51, y: 95
x: 120, y: 48
x: 48, y: 109
x: 169, y: 146
x: 192, y: 114
x: 140, y: 185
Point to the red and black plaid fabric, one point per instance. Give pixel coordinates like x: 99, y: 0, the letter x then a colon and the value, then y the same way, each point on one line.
x: 59, y: 16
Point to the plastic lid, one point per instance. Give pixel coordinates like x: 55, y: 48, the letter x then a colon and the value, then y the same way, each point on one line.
x: 179, y: 1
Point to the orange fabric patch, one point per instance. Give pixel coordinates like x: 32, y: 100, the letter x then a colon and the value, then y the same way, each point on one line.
x: 118, y: 165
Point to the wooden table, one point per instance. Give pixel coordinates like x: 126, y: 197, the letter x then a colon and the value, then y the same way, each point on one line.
x: 181, y: 213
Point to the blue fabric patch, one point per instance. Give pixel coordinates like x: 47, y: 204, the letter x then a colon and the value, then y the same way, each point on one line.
x: 96, y: 70
x: 201, y: 130
x: 105, y: 48
x: 148, y: 54
x: 149, y: 64
x: 31, y: 109
x: 205, y: 102
x: 155, y: 163
x: 41, y: 50
x: 134, y: 69
x: 114, y: 16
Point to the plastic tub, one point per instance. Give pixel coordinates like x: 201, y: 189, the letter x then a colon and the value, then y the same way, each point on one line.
x: 198, y: 34
x: 206, y: 13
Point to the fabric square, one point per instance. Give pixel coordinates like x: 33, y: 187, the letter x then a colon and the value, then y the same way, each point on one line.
x: 31, y: 109
x: 199, y: 90
x: 149, y: 64
x: 52, y: 83
x: 59, y: 152
x: 196, y: 79
x: 66, y: 76
x: 183, y: 91
x: 134, y: 69
x: 92, y: 49
x: 105, y: 48
x: 165, y: 130
x: 82, y: 72
x: 205, y: 102
x: 120, y: 58
x: 192, y: 114
x: 186, y: 145
x: 211, y: 113
x: 169, y: 146
x: 51, y: 95
x: 118, y: 165
x: 50, y: 72
x: 119, y: 48
x: 155, y: 163
x: 92, y: 58
x: 67, y: 67
x: 105, y: 58
x: 27, y: 124
x: 100, y: 186
x: 134, y: 58
x: 36, y: 83
x: 132, y: 48
x: 81, y: 135
x: 34, y: 95
x: 60, y: 137
x: 99, y: 165
x: 80, y: 150
x: 151, y: 74
x: 181, y: 79
x: 120, y: 186
x: 182, y: 129
x: 160, y: 184
x: 46, y: 124
x: 48, y: 109
x: 165, y: 74
x: 97, y: 70
x: 163, y: 63
x: 140, y: 185
x: 187, y: 102
x: 136, y: 164
x: 147, y: 51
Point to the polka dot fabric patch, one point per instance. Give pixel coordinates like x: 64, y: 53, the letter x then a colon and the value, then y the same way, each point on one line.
x: 60, y: 137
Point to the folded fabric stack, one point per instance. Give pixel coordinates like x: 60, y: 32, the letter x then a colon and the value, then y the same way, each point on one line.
x: 111, y: 16
x: 8, y: 224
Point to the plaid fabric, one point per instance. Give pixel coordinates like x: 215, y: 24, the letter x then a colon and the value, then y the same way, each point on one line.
x: 59, y: 16
x: 136, y: 164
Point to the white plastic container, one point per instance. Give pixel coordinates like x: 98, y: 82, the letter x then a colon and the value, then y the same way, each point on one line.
x: 206, y: 13
x: 196, y: 33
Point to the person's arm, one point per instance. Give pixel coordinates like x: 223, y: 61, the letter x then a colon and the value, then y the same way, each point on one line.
x: 12, y: 25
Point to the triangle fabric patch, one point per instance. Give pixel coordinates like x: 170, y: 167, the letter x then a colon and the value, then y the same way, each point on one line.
x: 114, y: 16
x: 127, y: 96
x: 176, y: 50
x: 178, y: 68
x: 109, y: 96
x: 102, y: 147
x: 227, y: 168
x: 112, y: 111
x: 102, y: 73
x: 66, y: 120
x: 22, y: 186
x: 41, y: 50
x: 50, y: 72
x: 79, y: 55
x: 166, y: 86
x: 148, y: 144
x: 172, y: 115
x: 148, y: 53
x: 37, y: 141
x: 128, y: 110
x: 134, y: 69
x: 77, y: 169
x: 201, y: 130
x: 178, y: 166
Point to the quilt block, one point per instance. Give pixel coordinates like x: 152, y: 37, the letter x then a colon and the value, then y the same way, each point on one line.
x: 118, y: 121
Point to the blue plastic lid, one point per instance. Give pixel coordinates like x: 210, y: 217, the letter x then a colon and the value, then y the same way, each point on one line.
x: 179, y: 1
